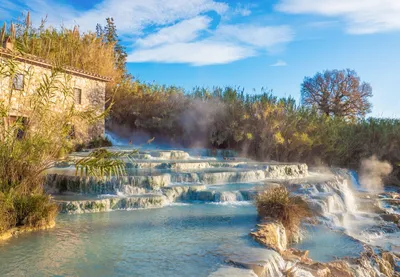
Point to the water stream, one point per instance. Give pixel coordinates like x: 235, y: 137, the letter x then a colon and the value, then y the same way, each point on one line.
x: 202, y: 212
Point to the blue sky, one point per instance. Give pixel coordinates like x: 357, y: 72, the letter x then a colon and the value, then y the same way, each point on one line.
x: 252, y: 44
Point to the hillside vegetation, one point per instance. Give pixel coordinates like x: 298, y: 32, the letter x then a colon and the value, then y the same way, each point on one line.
x: 259, y: 125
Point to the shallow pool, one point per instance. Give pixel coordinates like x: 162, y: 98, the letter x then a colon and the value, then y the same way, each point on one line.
x: 179, y: 240
x: 188, y: 240
x: 326, y: 245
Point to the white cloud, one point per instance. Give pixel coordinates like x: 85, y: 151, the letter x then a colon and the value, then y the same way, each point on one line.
x: 361, y: 16
x: 131, y: 17
x: 194, y: 53
x: 226, y: 44
x: 184, y: 31
x: 169, y: 31
x: 279, y: 63
x: 243, y: 10
x: 260, y: 36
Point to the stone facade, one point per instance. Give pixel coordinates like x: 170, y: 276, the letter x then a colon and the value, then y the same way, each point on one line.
x: 85, y: 90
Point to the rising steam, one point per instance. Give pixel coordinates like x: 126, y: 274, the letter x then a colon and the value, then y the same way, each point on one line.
x: 373, y: 172
x: 198, y: 120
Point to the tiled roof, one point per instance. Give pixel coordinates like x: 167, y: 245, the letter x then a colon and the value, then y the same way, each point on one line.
x: 44, y: 63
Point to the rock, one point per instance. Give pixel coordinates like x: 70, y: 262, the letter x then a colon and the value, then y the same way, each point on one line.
x: 316, y: 269
x: 264, y: 262
x: 296, y: 255
x: 233, y: 272
x: 391, y: 218
x: 14, y: 232
x: 271, y: 234
x: 340, y: 268
x: 384, y: 266
x: 108, y: 204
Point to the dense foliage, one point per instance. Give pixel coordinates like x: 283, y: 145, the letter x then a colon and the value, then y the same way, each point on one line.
x: 260, y: 125
x: 337, y: 93
x: 93, y: 52
x: 35, y: 128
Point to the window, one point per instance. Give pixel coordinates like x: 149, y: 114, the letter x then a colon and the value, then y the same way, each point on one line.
x: 21, y: 124
x: 18, y: 82
x: 71, y: 133
x: 78, y: 95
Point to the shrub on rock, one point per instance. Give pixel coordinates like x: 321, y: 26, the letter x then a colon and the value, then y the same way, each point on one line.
x: 279, y: 205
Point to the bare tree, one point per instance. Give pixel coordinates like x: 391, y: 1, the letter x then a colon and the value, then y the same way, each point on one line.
x: 338, y: 93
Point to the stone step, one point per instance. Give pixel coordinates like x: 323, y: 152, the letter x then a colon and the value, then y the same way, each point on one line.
x: 56, y: 183
x: 112, y: 203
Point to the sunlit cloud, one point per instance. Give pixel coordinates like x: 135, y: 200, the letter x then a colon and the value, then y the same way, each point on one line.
x: 360, y: 16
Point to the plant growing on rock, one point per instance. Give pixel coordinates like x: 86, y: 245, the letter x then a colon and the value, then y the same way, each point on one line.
x: 278, y: 204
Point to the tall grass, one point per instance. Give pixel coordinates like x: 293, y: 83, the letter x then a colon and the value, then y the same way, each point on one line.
x: 277, y: 204
x: 35, y: 124
x: 65, y: 47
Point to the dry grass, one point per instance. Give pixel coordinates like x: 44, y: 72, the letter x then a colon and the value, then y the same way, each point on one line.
x: 277, y: 204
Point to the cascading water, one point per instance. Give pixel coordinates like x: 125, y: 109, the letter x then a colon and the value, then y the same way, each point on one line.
x: 336, y: 201
x: 229, y: 196
x: 203, y: 236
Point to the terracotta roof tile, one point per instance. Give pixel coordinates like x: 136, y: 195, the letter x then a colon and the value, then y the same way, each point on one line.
x: 44, y: 63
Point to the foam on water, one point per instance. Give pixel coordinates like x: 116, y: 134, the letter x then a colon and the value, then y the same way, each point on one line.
x: 336, y: 201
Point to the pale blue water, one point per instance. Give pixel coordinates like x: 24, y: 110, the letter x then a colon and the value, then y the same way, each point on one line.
x: 326, y: 245
x: 185, y: 240
x: 191, y: 240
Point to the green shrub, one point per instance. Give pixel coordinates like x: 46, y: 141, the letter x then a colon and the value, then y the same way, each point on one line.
x: 99, y: 142
x: 34, y: 210
x: 278, y: 204
x: 8, y: 217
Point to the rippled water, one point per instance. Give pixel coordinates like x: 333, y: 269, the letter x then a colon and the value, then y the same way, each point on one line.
x: 189, y: 240
x: 179, y: 240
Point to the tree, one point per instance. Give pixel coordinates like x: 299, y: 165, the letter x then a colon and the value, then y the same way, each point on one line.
x: 337, y: 93
x: 111, y: 36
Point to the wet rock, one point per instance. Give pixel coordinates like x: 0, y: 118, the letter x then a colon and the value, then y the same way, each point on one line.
x: 228, y: 196
x: 233, y: 272
x: 272, y: 235
x: 264, y: 262
x: 390, y: 195
x: 171, y: 155
x: 296, y: 255
x: 384, y: 266
x: 287, y: 171
x: 391, y: 218
x: 16, y: 231
x: 314, y: 269
x: 102, y: 205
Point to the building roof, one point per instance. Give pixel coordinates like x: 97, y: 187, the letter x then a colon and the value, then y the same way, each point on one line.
x: 27, y: 58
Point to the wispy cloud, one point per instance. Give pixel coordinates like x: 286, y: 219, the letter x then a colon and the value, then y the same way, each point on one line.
x: 195, y: 53
x: 259, y: 36
x: 361, y: 16
x: 243, y: 10
x: 226, y: 44
x: 279, y: 63
x: 196, y: 32
x: 184, y: 31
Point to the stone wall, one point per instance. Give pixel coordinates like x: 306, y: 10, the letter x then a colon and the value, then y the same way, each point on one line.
x: 92, y: 93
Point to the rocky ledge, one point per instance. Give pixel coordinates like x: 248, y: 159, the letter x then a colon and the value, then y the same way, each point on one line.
x: 16, y: 231
x: 272, y: 234
x: 113, y: 203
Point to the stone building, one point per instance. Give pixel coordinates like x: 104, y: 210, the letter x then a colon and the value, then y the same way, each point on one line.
x: 88, y: 89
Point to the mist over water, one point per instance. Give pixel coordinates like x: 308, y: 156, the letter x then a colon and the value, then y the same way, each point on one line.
x: 373, y: 172
x: 198, y: 120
